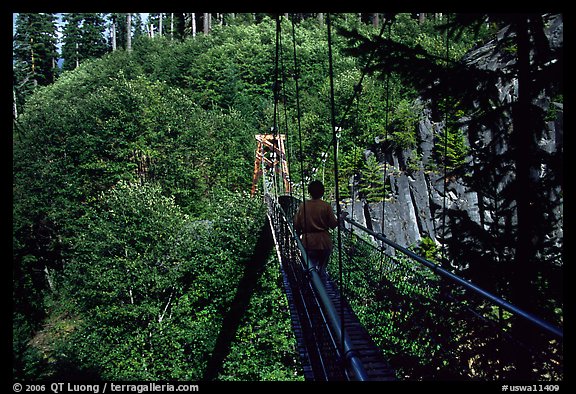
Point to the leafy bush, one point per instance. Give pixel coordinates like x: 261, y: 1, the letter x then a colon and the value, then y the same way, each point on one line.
x: 149, y: 286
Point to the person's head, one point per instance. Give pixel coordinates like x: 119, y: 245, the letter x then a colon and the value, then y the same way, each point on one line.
x: 316, y: 189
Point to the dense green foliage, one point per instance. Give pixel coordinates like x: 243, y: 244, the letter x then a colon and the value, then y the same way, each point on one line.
x: 146, y: 290
x: 466, y: 103
x: 265, y: 334
x: 131, y: 228
x: 126, y: 254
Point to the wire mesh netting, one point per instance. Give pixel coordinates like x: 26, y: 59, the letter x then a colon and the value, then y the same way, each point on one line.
x: 430, y: 328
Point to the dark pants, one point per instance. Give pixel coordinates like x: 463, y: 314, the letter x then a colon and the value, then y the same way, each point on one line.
x: 319, y: 258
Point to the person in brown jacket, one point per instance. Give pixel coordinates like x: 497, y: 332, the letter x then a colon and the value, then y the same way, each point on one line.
x: 312, y: 221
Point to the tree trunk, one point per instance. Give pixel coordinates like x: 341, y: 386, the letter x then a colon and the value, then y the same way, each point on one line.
x: 77, y: 61
x: 172, y: 26
x: 193, y: 24
x: 522, y: 136
x: 207, y: 16
x: 49, y: 278
x: 421, y: 17
x: 114, y: 33
x: 129, y: 32
x: 523, y: 291
x: 375, y: 20
x: 160, y: 23
x: 14, y: 106
x: 33, y: 62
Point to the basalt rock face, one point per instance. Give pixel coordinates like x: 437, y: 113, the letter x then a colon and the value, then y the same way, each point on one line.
x: 471, y: 211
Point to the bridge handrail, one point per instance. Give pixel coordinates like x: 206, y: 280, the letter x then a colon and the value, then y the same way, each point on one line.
x: 468, y: 285
x: 350, y: 355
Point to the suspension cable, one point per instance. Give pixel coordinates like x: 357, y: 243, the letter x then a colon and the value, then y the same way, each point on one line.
x: 299, y: 122
x: 355, y: 133
x: 336, y: 182
x: 437, y: 269
x: 284, y: 102
x: 443, y: 258
x: 386, y: 124
x: 276, y: 88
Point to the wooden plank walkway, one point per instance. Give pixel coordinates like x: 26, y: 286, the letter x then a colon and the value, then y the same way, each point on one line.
x: 320, y: 359
x: 374, y: 362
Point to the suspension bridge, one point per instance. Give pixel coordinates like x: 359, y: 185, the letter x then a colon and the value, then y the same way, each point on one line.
x: 383, y: 312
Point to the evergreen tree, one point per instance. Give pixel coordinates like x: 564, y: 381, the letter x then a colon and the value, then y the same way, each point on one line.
x: 71, y: 40
x: 34, y: 53
x: 129, y: 32
x: 77, y: 227
x: 92, y: 42
x: 159, y: 24
x: 112, y: 31
x: 179, y: 25
x: 138, y: 28
x: 372, y: 185
x: 451, y: 149
x: 534, y: 66
x: 83, y: 38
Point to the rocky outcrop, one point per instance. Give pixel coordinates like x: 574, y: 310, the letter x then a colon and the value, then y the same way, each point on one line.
x: 467, y: 209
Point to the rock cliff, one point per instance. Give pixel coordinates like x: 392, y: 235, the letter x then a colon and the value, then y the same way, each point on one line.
x: 473, y: 212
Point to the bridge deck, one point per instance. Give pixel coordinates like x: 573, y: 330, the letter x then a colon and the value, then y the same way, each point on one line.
x: 319, y: 362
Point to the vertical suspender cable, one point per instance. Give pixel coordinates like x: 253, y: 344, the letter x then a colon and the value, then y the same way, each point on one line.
x: 382, y: 226
x: 335, y: 146
x: 356, y: 171
x: 298, y: 116
x: 276, y: 88
x: 446, y: 102
x: 284, y: 102
x: 386, y: 136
